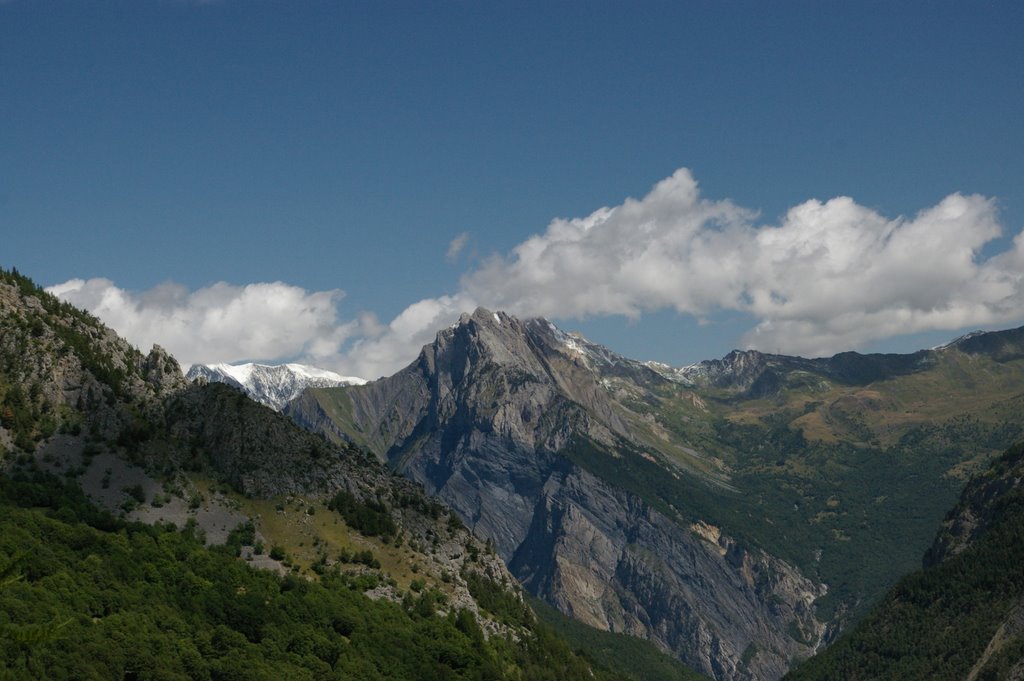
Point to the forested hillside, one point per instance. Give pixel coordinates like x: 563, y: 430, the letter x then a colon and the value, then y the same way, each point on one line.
x: 959, y: 618
x: 87, y: 596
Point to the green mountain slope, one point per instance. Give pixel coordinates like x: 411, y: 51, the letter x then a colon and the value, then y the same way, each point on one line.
x: 88, y: 596
x: 962, y: 617
x: 845, y: 474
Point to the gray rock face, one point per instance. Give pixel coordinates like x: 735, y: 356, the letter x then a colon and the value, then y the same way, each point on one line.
x: 200, y: 373
x: 485, y: 418
x: 162, y: 371
x: 609, y: 560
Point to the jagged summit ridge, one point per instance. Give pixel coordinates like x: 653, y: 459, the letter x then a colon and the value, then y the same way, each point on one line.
x: 504, y: 334
x: 759, y: 374
x: 272, y: 385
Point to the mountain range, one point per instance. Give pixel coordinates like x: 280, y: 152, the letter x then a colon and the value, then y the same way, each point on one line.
x: 134, y: 507
x: 739, y: 512
x: 751, y: 516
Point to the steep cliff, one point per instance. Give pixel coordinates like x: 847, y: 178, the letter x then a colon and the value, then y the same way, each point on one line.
x: 61, y: 370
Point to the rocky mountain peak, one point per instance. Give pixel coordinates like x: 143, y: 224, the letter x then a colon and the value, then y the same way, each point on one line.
x: 162, y: 371
x: 1002, y: 346
x: 501, y: 418
x: 61, y: 360
x: 481, y: 315
x: 741, y: 364
x: 482, y: 336
x: 534, y: 347
x: 740, y: 370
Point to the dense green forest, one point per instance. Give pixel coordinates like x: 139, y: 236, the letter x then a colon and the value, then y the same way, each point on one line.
x: 935, y: 624
x: 86, y: 596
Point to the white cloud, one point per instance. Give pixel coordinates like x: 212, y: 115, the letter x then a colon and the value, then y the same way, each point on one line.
x: 455, y: 247
x: 831, y: 276
x: 263, y: 322
x: 218, y: 323
x: 836, y: 276
x: 666, y: 250
x: 397, y: 345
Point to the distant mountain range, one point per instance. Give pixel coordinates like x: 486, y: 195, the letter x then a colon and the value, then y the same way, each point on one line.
x: 272, y: 385
x: 739, y: 512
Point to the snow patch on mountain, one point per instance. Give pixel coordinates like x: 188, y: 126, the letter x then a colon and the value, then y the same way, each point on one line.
x: 957, y: 341
x: 272, y: 385
x: 578, y: 346
x: 685, y: 375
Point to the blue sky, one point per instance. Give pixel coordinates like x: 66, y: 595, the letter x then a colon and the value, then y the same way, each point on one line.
x: 152, y: 150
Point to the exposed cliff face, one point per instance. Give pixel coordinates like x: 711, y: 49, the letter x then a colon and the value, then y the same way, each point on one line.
x: 486, y: 418
x: 608, y: 559
x: 981, y: 505
x: 481, y: 416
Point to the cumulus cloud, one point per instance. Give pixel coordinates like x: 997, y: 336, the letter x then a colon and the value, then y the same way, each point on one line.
x: 836, y: 276
x: 219, y: 323
x: 830, y: 276
x: 397, y: 344
x: 670, y: 249
x: 269, y: 322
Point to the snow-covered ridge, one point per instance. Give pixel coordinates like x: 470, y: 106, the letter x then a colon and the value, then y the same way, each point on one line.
x: 273, y: 385
x: 577, y: 345
x: 243, y: 372
x: 956, y: 341
x: 685, y: 375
